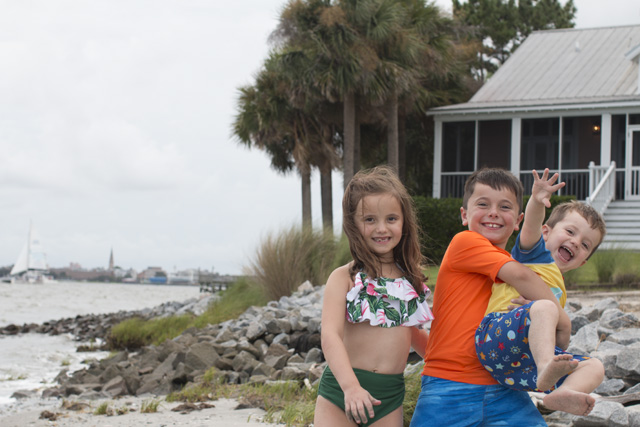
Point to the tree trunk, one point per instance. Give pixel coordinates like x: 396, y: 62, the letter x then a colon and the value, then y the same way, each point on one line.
x: 327, y: 202
x: 392, y: 131
x: 349, y: 123
x: 356, y: 148
x: 306, y: 198
x: 402, y: 147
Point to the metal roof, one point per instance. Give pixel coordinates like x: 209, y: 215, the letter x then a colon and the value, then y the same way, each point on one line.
x: 568, y: 67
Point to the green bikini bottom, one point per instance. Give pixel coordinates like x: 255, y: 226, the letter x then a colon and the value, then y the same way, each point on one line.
x: 387, y: 388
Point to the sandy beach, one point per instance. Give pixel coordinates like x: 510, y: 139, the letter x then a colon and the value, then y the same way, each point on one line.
x: 222, y: 413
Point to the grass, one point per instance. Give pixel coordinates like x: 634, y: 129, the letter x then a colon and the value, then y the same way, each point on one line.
x: 103, y: 409
x: 150, y: 406
x: 606, y: 270
x: 285, y: 260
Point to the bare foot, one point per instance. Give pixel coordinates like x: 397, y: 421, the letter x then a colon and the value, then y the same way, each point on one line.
x: 571, y: 401
x: 560, y: 366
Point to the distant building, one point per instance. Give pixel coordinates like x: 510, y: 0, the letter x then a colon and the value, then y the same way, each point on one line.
x: 154, y: 275
x: 111, y: 265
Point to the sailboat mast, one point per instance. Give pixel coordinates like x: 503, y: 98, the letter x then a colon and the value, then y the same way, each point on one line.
x: 29, y: 245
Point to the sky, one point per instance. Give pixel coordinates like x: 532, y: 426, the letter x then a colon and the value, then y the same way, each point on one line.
x: 116, y: 131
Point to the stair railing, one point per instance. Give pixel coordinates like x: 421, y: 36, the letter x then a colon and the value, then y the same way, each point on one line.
x: 602, y: 186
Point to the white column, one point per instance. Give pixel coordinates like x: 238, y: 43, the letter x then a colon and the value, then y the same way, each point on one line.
x: 605, y: 140
x: 437, y: 158
x: 516, y: 133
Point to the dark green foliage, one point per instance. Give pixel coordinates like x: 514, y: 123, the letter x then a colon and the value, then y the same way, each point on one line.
x: 500, y: 26
x: 440, y: 221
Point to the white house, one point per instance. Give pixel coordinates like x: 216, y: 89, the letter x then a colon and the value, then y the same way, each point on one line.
x: 568, y: 100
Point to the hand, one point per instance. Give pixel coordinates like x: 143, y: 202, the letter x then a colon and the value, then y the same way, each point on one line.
x: 544, y: 187
x: 520, y: 301
x: 358, y: 405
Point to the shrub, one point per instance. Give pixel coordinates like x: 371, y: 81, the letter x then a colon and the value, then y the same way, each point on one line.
x: 103, y: 409
x: 232, y: 303
x: 284, y: 261
x: 135, y: 333
x: 149, y: 406
x: 606, y: 262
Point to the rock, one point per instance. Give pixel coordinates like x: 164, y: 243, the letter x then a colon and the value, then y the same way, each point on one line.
x: 116, y: 387
x: 585, y: 340
x: 610, y: 387
x: 626, y: 336
x: 605, y: 304
x: 615, y: 319
x: 201, y: 356
x: 23, y: 394
x: 314, y: 356
x: 604, y: 414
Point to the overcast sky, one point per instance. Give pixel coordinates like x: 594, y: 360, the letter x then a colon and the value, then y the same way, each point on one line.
x: 115, y: 130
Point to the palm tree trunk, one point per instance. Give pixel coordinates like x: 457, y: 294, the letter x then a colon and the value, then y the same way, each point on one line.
x: 349, y: 123
x: 402, y: 147
x: 327, y: 203
x: 392, y: 131
x: 306, y: 198
x: 356, y: 148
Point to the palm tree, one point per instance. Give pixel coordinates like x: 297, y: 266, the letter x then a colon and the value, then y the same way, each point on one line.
x: 267, y: 121
x: 319, y: 30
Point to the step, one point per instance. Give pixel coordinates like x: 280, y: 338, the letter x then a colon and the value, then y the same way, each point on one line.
x: 627, y: 246
x: 622, y: 209
x: 622, y: 222
x: 635, y: 219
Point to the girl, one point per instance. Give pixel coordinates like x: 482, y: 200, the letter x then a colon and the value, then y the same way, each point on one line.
x: 367, y: 315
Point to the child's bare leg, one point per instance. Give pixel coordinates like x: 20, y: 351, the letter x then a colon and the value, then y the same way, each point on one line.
x: 329, y: 415
x: 542, y: 338
x: 572, y: 396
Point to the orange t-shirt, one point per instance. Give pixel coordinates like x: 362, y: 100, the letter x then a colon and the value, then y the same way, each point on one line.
x: 469, y: 268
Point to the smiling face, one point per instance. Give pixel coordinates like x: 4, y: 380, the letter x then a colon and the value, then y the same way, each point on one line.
x: 379, y: 219
x: 571, y: 241
x: 492, y: 213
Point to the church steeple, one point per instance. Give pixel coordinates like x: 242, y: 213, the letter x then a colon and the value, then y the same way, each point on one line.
x: 111, y: 261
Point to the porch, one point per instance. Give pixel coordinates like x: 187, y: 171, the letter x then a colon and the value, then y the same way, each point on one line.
x: 579, y: 148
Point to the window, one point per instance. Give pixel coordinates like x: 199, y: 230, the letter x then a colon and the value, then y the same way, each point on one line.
x: 580, y: 141
x: 539, y: 143
x: 458, y: 146
x: 494, y: 143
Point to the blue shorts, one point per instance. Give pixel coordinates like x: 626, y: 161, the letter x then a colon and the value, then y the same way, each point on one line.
x: 452, y: 404
x: 503, y: 349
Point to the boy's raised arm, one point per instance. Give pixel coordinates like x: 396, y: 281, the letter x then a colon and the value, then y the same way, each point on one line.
x: 541, y: 192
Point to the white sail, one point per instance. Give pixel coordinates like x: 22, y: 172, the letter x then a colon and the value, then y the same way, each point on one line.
x: 22, y: 264
x: 31, y: 265
x: 37, y: 256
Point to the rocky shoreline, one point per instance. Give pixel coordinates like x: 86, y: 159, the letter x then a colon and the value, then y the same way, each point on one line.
x: 281, y: 342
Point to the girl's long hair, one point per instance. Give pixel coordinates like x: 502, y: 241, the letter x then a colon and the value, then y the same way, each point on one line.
x: 407, y: 254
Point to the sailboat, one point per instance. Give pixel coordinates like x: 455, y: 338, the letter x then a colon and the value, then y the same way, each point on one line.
x: 31, y: 266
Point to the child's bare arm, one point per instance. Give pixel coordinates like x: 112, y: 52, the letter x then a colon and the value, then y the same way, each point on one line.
x: 541, y: 191
x: 419, y: 339
x: 526, y: 282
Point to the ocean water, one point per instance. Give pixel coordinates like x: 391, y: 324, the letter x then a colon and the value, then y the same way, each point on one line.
x: 32, y: 361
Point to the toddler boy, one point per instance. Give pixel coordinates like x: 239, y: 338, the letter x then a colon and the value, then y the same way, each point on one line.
x: 522, y: 348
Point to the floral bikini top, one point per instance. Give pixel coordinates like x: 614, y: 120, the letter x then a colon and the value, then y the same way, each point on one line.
x: 387, y: 302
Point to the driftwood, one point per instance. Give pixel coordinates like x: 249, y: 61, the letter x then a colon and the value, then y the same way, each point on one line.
x: 625, y: 399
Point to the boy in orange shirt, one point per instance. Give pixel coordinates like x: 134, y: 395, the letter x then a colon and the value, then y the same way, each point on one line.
x: 456, y: 389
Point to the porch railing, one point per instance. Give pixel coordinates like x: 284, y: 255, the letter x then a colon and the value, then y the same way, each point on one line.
x: 452, y: 184
x: 602, y: 186
x: 576, y: 182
